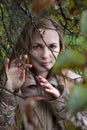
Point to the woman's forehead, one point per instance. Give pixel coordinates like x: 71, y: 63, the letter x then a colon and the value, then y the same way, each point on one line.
x: 46, y: 35
x: 41, y: 32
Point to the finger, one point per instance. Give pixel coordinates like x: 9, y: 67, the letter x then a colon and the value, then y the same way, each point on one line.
x: 22, y: 74
x: 23, y: 58
x: 14, y: 63
x: 48, y: 90
x: 45, y: 85
x: 28, y: 65
x: 6, y: 64
x: 41, y: 79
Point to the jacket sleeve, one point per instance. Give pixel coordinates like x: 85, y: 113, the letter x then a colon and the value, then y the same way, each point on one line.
x: 80, y: 120
x: 59, y: 105
x: 7, y: 107
x: 60, y: 111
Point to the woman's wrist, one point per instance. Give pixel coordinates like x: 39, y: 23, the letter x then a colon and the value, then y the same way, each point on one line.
x: 9, y: 86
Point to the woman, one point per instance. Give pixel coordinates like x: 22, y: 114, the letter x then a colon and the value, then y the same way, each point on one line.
x: 31, y: 77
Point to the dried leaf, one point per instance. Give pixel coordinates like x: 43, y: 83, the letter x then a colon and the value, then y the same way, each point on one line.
x: 40, y: 5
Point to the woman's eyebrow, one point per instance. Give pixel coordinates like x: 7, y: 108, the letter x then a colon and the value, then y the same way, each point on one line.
x: 46, y: 44
x: 36, y: 43
x: 39, y: 43
x: 53, y: 43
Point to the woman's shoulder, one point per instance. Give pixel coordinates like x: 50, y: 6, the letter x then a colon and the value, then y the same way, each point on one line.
x: 70, y: 77
x: 71, y: 74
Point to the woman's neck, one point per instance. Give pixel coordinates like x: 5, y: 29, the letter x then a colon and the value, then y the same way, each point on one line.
x: 43, y: 74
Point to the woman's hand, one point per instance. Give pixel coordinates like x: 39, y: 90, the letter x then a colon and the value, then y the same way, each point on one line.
x: 15, y: 73
x: 48, y: 88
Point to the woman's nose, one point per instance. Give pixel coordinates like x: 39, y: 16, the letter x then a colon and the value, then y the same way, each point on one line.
x: 46, y: 52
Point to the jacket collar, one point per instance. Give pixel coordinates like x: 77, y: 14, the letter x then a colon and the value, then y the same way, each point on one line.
x: 30, y: 80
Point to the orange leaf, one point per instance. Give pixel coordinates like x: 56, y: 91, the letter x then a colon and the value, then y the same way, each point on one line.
x: 40, y: 5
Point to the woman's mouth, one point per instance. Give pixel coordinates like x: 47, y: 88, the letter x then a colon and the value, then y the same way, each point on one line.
x: 46, y: 63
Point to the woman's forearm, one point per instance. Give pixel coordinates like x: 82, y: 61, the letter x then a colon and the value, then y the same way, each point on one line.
x: 7, y: 107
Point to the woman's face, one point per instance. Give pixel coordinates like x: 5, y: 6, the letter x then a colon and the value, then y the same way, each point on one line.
x: 46, y: 52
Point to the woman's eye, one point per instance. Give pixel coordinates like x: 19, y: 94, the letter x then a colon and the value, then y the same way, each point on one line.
x: 52, y: 47
x: 36, y: 47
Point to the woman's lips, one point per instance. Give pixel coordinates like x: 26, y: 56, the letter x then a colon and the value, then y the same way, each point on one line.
x: 46, y: 63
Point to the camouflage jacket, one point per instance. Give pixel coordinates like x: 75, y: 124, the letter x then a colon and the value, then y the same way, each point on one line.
x: 48, y: 115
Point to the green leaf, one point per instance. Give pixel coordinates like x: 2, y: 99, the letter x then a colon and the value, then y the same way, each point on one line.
x: 68, y: 59
x: 84, y: 23
x: 77, y: 99
x: 70, y: 126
